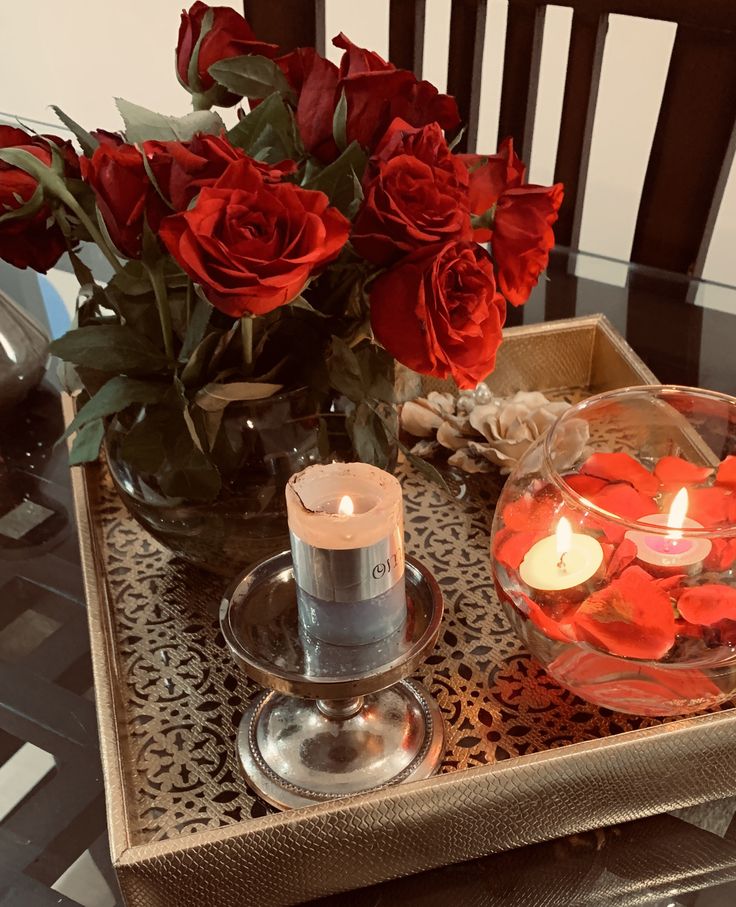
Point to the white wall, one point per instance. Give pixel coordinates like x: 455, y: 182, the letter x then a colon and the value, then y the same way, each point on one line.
x: 82, y: 53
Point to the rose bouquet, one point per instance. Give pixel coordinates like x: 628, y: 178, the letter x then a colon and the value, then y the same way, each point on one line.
x: 329, y: 233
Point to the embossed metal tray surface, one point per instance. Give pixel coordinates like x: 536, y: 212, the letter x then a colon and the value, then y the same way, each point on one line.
x: 525, y: 760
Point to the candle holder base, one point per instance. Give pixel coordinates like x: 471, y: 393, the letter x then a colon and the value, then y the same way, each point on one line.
x: 340, y: 720
x: 293, y: 754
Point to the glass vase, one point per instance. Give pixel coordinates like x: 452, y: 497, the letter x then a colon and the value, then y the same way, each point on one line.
x: 614, y: 550
x: 275, y: 438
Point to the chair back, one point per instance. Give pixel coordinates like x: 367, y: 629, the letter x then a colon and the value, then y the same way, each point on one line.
x: 694, y: 139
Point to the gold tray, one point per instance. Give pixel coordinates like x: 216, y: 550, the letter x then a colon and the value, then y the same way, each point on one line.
x: 526, y: 761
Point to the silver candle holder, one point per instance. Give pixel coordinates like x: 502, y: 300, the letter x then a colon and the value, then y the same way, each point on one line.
x: 337, y: 719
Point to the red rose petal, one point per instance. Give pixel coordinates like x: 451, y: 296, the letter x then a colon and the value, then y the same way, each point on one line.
x: 531, y: 512
x: 510, y: 547
x: 672, y: 585
x: 624, y: 501
x: 722, y: 555
x: 641, y: 689
x: 623, y: 555
x: 676, y: 471
x: 585, y: 486
x: 632, y: 617
x: 726, y: 474
x: 683, y: 628
x: 708, y: 604
x: 551, y: 628
x: 620, y: 467
x: 709, y: 506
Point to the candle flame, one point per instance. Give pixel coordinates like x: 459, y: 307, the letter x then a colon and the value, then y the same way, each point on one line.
x: 345, y: 507
x: 564, y: 539
x: 677, y: 514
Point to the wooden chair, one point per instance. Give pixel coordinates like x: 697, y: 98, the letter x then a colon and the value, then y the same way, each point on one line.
x: 694, y: 140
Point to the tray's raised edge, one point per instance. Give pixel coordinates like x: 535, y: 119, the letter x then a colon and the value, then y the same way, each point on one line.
x: 637, y: 773
x: 98, y: 610
x: 624, y: 349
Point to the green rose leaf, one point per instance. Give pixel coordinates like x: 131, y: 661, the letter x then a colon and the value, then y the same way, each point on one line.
x: 161, y: 445
x: 200, y: 318
x: 250, y: 76
x: 424, y: 468
x: 142, y: 125
x: 214, y: 397
x: 345, y: 374
x: 369, y: 436
x: 268, y: 129
x: 340, y: 122
x: 114, y: 396
x: 340, y: 180
x: 87, y: 141
x: 109, y: 348
x: 86, y: 446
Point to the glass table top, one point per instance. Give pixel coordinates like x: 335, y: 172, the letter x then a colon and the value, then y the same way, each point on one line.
x: 53, y: 847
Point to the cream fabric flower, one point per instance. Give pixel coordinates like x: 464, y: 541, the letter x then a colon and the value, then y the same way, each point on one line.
x: 483, y: 431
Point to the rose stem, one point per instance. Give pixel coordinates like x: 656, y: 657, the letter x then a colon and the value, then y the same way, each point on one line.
x: 72, y: 203
x: 162, y: 304
x: 246, y: 332
x: 190, y: 292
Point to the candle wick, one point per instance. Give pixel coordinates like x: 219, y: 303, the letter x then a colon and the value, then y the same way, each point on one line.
x: 561, y: 563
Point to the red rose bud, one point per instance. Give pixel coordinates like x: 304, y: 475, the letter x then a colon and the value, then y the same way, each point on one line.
x: 439, y: 313
x: 490, y: 176
x: 376, y: 94
x: 125, y: 195
x: 522, y: 237
x: 29, y: 236
x: 208, y: 34
x: 251, y: 243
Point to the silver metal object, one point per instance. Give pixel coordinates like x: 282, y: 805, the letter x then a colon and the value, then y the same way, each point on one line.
x: 351, y: 574
x: 342, y: 719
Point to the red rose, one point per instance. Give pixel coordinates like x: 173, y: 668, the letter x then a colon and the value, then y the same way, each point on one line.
x: 181, y: 169
x: 490, y: 176
x: 426, y: 143
x: 314, y: 81
x: 228, y: 35
x: 376, y: 93
x: 30, y: 239
x: 522, y: 237
x: 407, y: 205
x: 253, y: 245
x: 125, y: 195
x: 438, y: 312
x: 519, y: 218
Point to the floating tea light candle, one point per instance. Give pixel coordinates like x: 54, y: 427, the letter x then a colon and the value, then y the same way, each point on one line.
x: 671, y: 552
x: 561, y: 561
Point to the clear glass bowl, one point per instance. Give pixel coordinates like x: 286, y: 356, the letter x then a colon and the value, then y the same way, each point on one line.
x: 619, y: 582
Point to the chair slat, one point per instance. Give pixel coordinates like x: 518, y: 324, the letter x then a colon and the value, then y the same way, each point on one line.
x: 718, y: 14
x: 288, y: 23
x: 465, y: 64
x: 406, y: 34
x: 587, y: 38
x: 693, y: 132
x: 522, y: 54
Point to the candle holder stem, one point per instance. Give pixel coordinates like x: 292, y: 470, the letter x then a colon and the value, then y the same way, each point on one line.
x: 340, y: 709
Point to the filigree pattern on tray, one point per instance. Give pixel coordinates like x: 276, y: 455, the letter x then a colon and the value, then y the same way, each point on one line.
x: 182, y: 697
